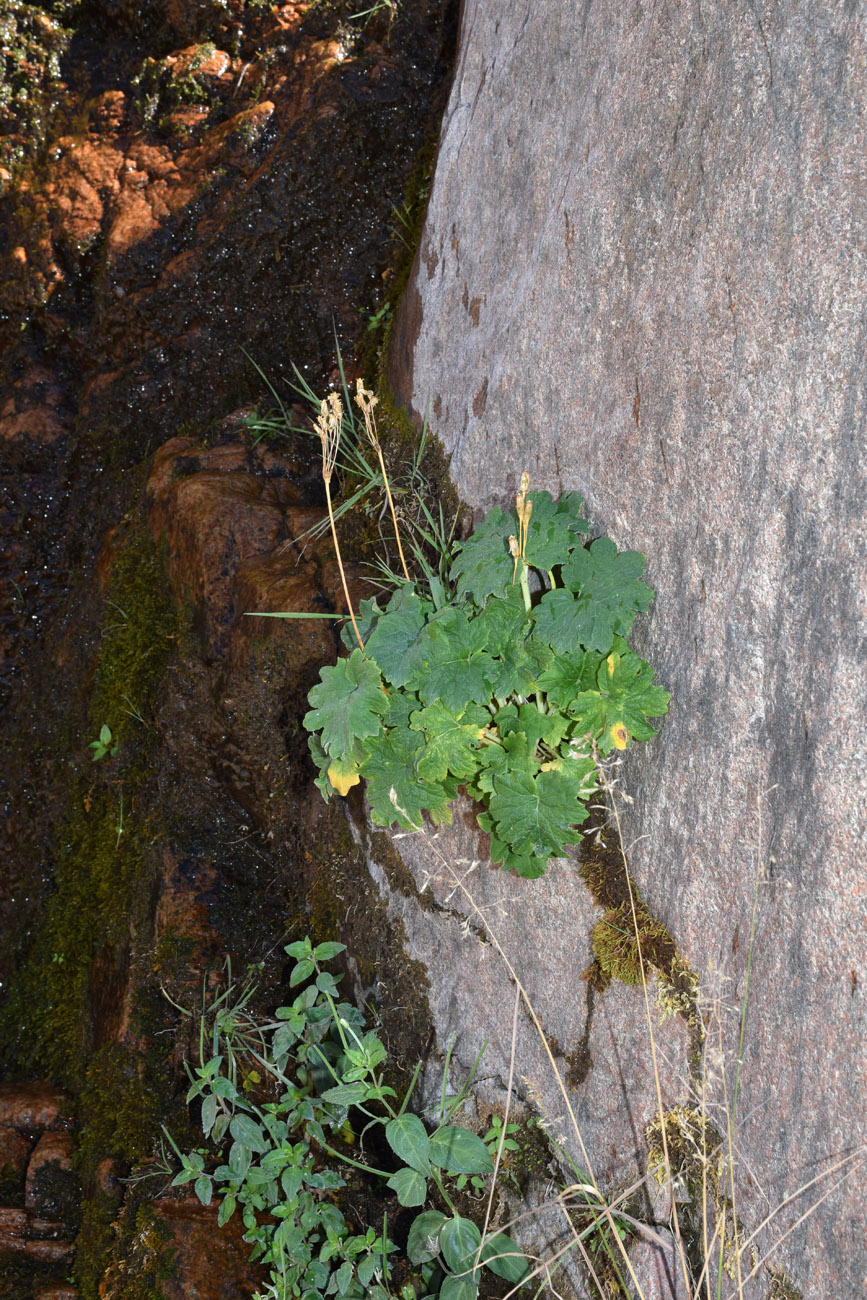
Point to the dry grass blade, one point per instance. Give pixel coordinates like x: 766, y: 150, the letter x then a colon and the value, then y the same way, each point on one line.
x: 513, y: 975
x: 857, y: 1156
x: 329, y: 424
x: 505, y: 1125
x: 366, y: 400
x: 681, y: 1252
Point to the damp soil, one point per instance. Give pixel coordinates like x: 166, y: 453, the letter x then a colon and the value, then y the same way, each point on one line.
x: 204, y: 202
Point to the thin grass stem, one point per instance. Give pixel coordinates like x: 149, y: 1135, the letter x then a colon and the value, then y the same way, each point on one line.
x: 657, y: 1084
x: 366, y: 400
x: 513, y: 974
x: 505, y: 1124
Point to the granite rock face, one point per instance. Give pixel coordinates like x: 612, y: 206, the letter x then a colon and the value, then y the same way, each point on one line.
x: 643, y: 277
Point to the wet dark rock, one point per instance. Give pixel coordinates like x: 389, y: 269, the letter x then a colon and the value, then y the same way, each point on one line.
x: 37, y: 1229
x: 14, y: 1153
x: 50, y: 1162
x: 226, y: 186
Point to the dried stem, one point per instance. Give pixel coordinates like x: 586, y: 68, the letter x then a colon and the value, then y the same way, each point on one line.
x: 367, y: 400
x: 329, y: 425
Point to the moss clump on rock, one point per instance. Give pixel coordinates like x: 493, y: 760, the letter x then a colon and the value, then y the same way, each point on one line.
x: 33, y: 43
x: 139, y: 1272
x: 617, y: 950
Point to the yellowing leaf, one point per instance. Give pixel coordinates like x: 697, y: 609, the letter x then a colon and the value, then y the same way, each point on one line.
x: 343, y: 776
x: 619, y: 735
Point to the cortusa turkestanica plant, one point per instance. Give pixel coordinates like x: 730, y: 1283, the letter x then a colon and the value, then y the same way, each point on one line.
x: 506, y: 671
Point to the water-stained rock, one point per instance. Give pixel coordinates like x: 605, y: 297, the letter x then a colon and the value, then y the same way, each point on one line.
x: 225, y: 187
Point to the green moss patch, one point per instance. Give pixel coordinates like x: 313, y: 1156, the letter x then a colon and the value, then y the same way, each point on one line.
x: 86, y: 998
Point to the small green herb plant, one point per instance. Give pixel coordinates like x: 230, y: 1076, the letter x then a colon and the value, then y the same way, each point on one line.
x: 506, y: 670
x: 278, y: 1161
x: 103, y: 747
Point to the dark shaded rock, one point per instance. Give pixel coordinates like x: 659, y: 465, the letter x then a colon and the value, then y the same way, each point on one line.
x: 14, y: 1153
x: 642, y: 276
x: 51, y: 1185
x: 226, y: 199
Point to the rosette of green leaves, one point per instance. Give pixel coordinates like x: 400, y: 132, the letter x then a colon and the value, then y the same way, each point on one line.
x: 483, y: 691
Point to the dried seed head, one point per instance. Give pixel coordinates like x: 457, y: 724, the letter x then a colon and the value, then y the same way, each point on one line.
x: 514, y: 548
x: 329, y: 425
x: 367, y: 400
x: 522, y: 495
x: 364, y: 397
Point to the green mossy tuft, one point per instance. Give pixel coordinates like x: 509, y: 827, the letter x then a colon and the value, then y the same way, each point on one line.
x: 102, y: 873
x: 139, y: 629
x: 698, y: 1163
x: 95, y: 1239
x: 618, y: 953
x: 782, y: 1286
x: 613, y: 938
x: 33, y: 44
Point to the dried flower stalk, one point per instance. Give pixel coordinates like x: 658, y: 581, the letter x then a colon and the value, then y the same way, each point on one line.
x: 367, y: 400
x: 329, y: 426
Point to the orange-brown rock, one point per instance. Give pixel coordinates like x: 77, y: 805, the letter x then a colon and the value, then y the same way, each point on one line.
x: 33, y: 1106
x: 183, y: 912
x: 49, y: 1251
x: 21, y: 1233
x: 34, y: 409
x: 273, y: 583
x: 210, y: 1263
x: 213, y: 520
x: 14, y: 1225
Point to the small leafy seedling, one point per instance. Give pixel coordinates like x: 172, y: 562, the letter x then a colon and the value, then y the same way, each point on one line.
x: 103, y: 748
x: 379, y: 319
